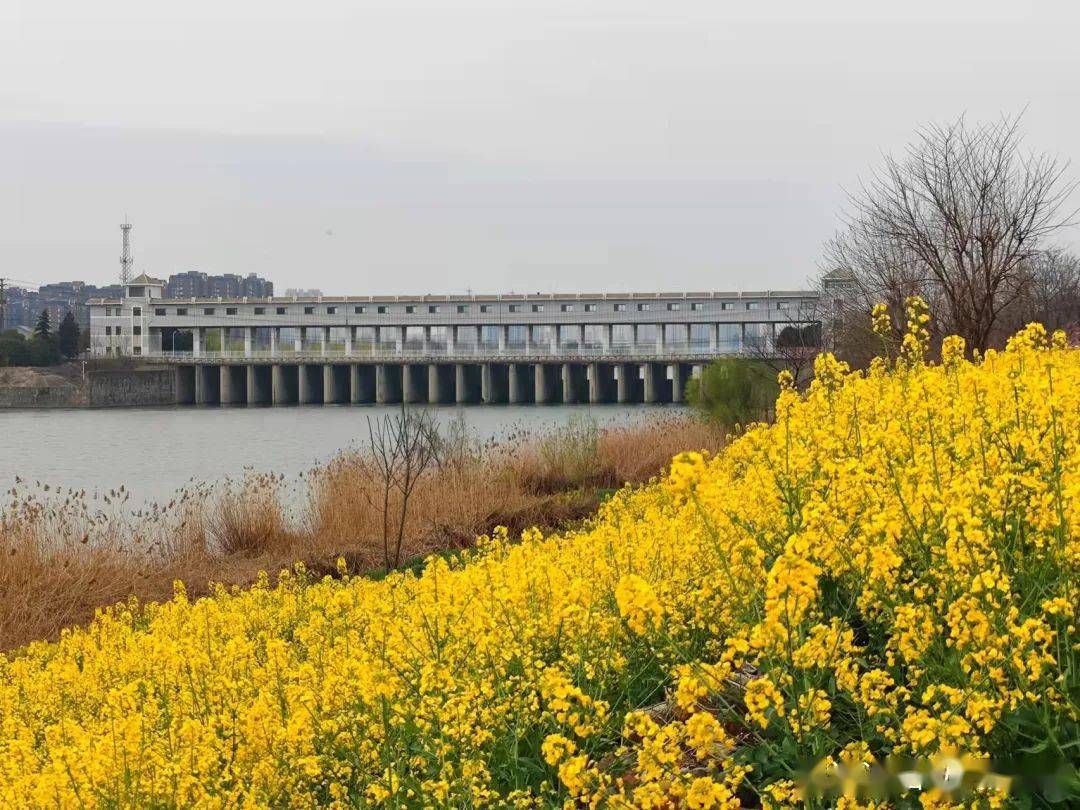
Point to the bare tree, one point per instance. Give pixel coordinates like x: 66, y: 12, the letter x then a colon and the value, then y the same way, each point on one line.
x: 1052, y: 297
x: 403, y: 446
x: 797, y: 341
x: 958, y: 219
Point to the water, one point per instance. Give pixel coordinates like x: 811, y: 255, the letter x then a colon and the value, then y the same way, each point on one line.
x: 154, y: 452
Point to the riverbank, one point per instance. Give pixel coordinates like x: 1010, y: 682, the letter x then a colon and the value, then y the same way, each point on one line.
x: 64, y: 559
x: 85, y: 385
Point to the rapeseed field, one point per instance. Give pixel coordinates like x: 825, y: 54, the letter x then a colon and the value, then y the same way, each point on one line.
x: 888, y: 570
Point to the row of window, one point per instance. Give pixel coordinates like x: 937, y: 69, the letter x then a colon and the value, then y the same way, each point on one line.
x: 119, y: 330
x: 434, y: 309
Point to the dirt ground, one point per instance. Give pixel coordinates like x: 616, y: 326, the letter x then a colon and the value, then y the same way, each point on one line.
x: 45, y: 377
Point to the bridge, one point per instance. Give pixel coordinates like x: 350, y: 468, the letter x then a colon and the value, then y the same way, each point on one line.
x: 633, y: 347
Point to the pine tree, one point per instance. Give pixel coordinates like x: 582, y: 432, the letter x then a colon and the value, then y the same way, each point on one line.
x: 43, y: 328
x: 68, y: 333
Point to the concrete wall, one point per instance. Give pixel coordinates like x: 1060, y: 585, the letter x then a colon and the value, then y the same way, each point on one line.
x: 128, y: 387
x: 63, y: 396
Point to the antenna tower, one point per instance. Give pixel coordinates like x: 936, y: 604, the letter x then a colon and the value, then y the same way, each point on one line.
x: 125, y: 253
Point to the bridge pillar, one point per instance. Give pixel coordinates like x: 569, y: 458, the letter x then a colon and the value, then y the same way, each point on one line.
x: 440, y: 383
x: 628, y: 383
x: 414, y: 383
x: 282, y: 382
x: 520, y: 383
x: 714, y: 337
x: 185, y: 385
x: 466, y: 383
x: 258, y: 389
x: 654, y: 379
x: 361, y: 383
x: 387, y: 383
x: 334, y: 381
x: 493, y: 383
x: 573, y: 381
x: 679, y: 376
x: 207, y: 385
x: 601, y: 382
x: 197, y: 341
x: 232, y: 385
x: 249, y: 340
x: 275, y: 333
x: 545, y: 383
x: 298, y: 341
x: 350, y: 339
x: 309, y: 384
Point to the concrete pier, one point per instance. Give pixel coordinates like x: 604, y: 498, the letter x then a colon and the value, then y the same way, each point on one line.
x: 311, y: 382
x: 520, y: 383
x: 414, y: 381
x: 387, y: 383
x: 467, y: 383
x: 361, y: 384
x: 654, y: 380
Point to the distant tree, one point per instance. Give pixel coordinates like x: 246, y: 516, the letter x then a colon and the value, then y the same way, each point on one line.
x: 733, y: 391
x: 798, y: 341
x: 43, y: 329
x: 68, y: 335
x: 959, y: 219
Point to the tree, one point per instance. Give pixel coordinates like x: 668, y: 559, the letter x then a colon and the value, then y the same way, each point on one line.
x: 798, y: 341
x: 43, y: 330
x: 1053, y: 294
x: 403, y: 446
x: 958, y: 219
x: 68, y: 335
x: 733, y: 391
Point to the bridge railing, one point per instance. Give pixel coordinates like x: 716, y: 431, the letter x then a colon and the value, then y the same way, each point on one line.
x: 466, y: 351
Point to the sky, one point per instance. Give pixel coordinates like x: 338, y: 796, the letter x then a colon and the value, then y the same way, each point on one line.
x: 439, y: 146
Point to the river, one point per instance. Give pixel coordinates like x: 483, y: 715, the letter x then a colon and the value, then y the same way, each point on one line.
x: 153, y: 452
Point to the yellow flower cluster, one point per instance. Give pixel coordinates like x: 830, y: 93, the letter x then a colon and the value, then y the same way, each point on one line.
x: 890, y: 568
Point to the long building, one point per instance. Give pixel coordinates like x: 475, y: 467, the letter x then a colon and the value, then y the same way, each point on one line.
x: 441, y: 348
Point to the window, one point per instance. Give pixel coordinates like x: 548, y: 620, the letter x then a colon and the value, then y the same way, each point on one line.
x: 537, y: 307
x: 433, y: 308
x: 727, y: 306
x: 119, y: 329
x: 620, y: 307
x: 381, y: 310
x: 331, y: 310
x: 230, y: 310
x: 674, y: 307
x: 462, y: 308
x: 359, y: 310
x: 159, y: 311
x: 309, y: 310
x: 136, y: 349
x: 136, y: 330
x: 108, y: 330
x: 260, y: 310
x: 781, y: 304
x: 590, y: 307
x: 281, y: 310
x: 108, y: 350
x: 697, y: 306
x: 642, y: 307
x: 567, y: 307
x: 515, y: 307
x: 136, y: 311
x: 485, y: 308
x: 181, y: 310
x: 410, y: 309
x: 753, y: 305
x: 208, y: 311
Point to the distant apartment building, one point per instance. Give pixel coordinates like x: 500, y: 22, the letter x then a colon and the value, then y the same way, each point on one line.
x: 196, y: 284
x: 294, y: 292
x: 23, y: 307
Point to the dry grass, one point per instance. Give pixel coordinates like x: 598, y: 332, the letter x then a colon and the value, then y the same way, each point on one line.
x: 65, y: 559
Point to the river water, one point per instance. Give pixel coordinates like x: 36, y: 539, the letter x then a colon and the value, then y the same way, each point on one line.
x: 153, y: 452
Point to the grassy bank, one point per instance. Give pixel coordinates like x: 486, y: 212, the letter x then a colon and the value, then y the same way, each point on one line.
x: 888, y: 570
x: 66, y: 557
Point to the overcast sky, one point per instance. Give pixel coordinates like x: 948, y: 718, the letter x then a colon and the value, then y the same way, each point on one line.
x: 530, y: 145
